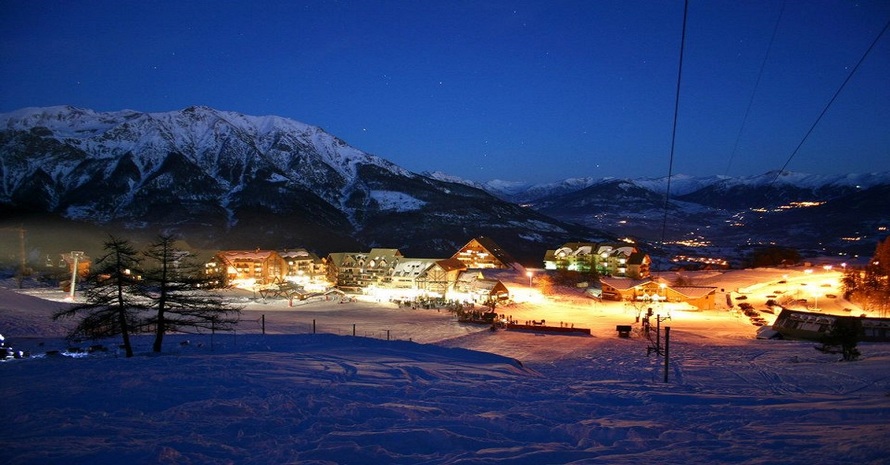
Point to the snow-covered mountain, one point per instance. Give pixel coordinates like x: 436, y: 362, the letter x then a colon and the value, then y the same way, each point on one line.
x: 233, y: 180
x: 725, y: 216
x: 223, y: 179
x: 682, y: 185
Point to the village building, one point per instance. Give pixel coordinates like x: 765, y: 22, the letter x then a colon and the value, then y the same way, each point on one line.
x: 649, y: 290
x: 441, y: 277
x: 302, y: 263
x: 354, y: 271
x: 386, y: 271
x: 410, y: 273
x: 797, y: 324
x: 483, y: 252
x: 638, y: 265
x: 474, y: 286
x: 607, y: 259
x: 248, y: 266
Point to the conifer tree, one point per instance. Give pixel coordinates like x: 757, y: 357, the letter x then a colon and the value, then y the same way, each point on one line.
x: 180, y: 294
x: 879, y: 269
x: 112, y: 304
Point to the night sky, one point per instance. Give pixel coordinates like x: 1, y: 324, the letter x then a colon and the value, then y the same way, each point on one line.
x: 513, y: 90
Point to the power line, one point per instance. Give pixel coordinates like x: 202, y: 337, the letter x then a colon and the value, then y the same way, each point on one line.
x: 825, y: 110
x: 667, y: 194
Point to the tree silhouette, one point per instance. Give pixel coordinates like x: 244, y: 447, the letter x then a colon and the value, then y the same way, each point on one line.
x: 870, y: 286
x: 180, y: 294
x: 112, y: 304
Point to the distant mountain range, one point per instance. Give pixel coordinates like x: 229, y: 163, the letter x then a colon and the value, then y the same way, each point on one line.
x: 722, y: 216
x: 226, y: 180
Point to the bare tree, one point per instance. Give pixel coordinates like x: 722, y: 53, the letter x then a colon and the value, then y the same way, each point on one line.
x: 112, y: 304
x: 181, y: 294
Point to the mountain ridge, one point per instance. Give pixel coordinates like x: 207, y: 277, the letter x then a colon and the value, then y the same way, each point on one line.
x: 681, y: 184
x: 233, y: 180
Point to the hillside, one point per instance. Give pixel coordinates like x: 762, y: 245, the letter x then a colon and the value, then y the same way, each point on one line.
x: 454, y: 393
x: 226, y: 180
x: 839, y: 215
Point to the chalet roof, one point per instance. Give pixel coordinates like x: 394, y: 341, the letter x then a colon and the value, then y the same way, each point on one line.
x: 413, y: 267
x: 626, y: 251
x: 468, y: 276
x: 298, y: 253
x: 384, y: 253
x: 508, y: 274
x: 485, y: 284
x: 623, y: 284
x: 252, y: 255
x: 605, y: 249
x: 581, y: 248
x: 336, y: 258
x: 694, y: 292
x: 638, y: 258
x: 495, y: 250
x: 451, y: 264
x: 475, y: 282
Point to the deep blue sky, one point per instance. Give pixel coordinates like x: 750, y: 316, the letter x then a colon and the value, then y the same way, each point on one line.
x: 514, y: 90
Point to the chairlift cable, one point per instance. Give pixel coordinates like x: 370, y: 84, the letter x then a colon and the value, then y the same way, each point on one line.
x: 754, y: 91
x: 667, y: 194
x: 825, y: 110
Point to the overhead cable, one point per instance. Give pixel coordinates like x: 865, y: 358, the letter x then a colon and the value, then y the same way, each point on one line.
x: 825, y: 110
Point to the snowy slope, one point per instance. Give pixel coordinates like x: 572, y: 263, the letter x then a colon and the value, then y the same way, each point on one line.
x: 466, y: 396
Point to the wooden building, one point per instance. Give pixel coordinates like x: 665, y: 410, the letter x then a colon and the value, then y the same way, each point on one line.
x: 795, y: 324
x: 608, y: 259
x: 262, y: 266
x: 388, y: 269
x: 483, y: 252
x: 301, y: 262
x: 475, y: 287
x: 631, y: 290
x: 442, y: 276
x: 355, y: 271
x: 411, y: 273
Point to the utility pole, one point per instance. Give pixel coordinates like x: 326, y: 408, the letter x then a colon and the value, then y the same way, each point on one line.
x: 667, y: 350
x: 75, y: 256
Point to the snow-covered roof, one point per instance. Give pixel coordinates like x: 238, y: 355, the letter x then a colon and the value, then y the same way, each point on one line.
x: 254, y: 255
x: 623, y: 283
x: 299, y: 253
x: 694, y: 292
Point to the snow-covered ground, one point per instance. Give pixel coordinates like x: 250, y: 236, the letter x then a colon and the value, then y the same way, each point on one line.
x: 443, y: 392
